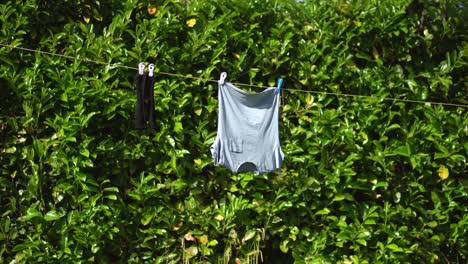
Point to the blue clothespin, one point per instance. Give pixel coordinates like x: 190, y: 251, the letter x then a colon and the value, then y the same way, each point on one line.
x: 278, y: 88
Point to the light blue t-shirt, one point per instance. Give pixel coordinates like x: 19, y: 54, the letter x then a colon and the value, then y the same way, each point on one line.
x: 247, y: 137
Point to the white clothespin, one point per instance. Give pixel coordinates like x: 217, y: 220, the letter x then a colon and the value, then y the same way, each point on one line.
x: 141, y: 68
x: 151, y: 70
x: 222, y: 78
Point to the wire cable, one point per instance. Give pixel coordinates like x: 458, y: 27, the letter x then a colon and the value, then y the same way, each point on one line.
x: 117, y: 65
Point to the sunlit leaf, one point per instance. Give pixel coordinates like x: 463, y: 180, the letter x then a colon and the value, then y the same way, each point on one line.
x: 443, y: 172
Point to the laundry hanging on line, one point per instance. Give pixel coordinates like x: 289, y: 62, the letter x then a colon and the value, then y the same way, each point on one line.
x: 144, y: 115
x: 247, y: 136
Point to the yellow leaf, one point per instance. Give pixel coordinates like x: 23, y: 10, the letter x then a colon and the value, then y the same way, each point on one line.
x: 309, y: 100
x: 191, y: 22
x: 309, y: 28
x: 177, y: 226
x: 203, y: 239
x: 219, y: 217
x: 152, y: 10
x: 375, y: 53
x: 443, y: 172
x: 86, y: 19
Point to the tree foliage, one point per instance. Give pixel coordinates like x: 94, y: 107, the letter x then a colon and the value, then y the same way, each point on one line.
x: 365, y: 179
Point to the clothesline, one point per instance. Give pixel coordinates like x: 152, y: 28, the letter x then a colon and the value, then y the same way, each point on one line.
x: 117, y: 65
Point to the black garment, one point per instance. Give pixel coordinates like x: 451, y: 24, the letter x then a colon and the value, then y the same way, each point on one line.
x: 145, y: 101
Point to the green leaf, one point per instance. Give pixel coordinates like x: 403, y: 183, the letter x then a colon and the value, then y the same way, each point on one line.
x: 403, y: 151
x: 111, y: 197
x: 362, y: 242
x: 324, y: 211
x: 10, y: 150
x: 84, y: 152
x: 394, y: 248
x: 111, y: 189
x: 30, y: 214
x: 380, y: 184
x: 146, y: 219
x: 339, y: 197
x: 25, y: 245
x: 212, y: 243
x: 284, y: 246
x: 95, y: 248
x: 52, y: 215
x: 249, y: 235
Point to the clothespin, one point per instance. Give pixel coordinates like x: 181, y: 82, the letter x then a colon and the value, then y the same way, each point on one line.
x: 222, y: 78
x: 151, y: 70
x: 278, y: 88
x: 141, y: 68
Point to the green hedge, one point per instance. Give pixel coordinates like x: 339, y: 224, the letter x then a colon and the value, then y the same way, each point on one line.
x: 365, y: 179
